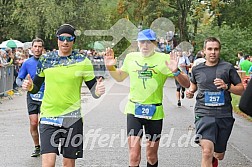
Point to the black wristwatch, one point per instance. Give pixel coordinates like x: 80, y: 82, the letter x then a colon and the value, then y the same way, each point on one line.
x: 228, y: 86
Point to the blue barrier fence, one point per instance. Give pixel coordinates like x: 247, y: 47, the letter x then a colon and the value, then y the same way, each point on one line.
x: 6, y: 79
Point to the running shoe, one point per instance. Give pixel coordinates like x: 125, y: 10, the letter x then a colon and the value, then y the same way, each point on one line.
x: 36, y: 152
x: 215, y: 162
x: 179, y: 103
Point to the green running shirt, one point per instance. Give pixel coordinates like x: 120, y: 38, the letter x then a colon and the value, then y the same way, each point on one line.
x: 63, y: 80
x: 147, y: 78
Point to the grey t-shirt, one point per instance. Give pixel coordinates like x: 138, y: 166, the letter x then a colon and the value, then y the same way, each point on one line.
x: 203, y: 76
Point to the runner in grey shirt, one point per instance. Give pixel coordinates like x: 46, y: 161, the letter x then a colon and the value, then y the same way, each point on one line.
x: 215, y: 80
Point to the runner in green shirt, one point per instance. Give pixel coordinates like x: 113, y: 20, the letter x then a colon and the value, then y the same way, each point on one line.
x: 60, y: 119
x: 148, y: 71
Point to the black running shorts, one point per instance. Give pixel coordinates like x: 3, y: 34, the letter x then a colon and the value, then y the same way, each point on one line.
x: 32, y: 105
x: 153, y: 128
x: 179, y: 87
x: 70, y: 139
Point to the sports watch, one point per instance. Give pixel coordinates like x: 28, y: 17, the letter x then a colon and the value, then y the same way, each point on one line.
x: 176, y: 73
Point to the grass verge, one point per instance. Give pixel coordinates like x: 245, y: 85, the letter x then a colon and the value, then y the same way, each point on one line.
x: 235, y: 103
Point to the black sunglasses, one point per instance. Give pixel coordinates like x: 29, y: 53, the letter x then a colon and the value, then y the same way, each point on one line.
x: 68, y: 39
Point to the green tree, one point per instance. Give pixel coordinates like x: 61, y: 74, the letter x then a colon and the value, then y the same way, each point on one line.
x: 8, y: 24
x: 232, y: 40
x: 41, y: 18
x: 237, y: 13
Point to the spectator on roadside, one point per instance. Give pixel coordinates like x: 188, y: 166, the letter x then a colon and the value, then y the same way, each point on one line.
x: 168, y: 46
x: 3, y: 58
x: 241, y: 59
x: 250, y: 72
x: 161, y: 45
x: 200, y: 58
x: 246, y: 64
x: 12, y: 60
x: 22, y: 58
x: 191, y: 56
x: 30, y: 53
x: 171, y: 40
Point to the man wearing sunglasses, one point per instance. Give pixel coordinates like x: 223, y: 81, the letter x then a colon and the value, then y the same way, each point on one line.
x: 60, y: 119
x: 148, y: 71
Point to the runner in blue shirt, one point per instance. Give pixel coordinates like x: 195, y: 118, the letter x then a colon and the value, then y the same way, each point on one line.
x: 33, y: 100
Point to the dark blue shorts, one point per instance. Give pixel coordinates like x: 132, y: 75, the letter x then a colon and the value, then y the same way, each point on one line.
x: 214, y: 129
x: 32, y: 105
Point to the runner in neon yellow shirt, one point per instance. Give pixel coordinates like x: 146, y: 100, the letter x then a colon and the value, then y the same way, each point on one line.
x: 148, y: 75
x: 63, y: 72
x: 148, y: 72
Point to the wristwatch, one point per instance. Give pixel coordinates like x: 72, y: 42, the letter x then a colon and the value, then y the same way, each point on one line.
x: 228, y: 87
x: 176, y: 73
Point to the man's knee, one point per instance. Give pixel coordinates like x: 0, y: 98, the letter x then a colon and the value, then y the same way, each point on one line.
x: 34, y: 120
x: 34, y: 123
x: 152, y: 159
x: 207, y: 148
x: 135, y: 158
x: 219, y: 156
x: 207, y: 152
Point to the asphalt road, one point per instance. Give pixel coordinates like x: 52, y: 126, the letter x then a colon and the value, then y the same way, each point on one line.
x: 105, y: 140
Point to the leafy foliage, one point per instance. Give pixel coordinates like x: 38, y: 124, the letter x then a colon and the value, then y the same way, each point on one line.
x: 229, y: 20
x: 232, y: 40
x: 237, y: 13
x: 7, y: 23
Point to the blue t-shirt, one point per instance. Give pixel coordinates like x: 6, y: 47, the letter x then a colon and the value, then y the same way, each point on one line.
x: 29, y: 67
x: 249, y: 71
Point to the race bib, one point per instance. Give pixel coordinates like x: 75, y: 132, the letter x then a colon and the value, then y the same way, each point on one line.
x: 55, y: 121
x: 214, y: 98
x: 38, y: 96
x: 145, y: 111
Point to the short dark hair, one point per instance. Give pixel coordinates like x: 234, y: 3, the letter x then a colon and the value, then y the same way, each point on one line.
x: 211, y: 39
x: 240, y: 53
x: 199, y: 54
x: 246, y: 57
x: 38, y: 40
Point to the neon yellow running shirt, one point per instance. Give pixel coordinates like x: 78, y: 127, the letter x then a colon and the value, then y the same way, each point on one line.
x: 63, y: 81
x: 147, y: 78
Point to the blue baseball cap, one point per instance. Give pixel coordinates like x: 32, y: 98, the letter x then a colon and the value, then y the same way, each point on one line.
x: 146, y: 34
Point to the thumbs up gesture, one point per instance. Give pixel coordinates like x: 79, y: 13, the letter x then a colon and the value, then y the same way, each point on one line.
x: 27, y: 84
x: 100, y: 88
